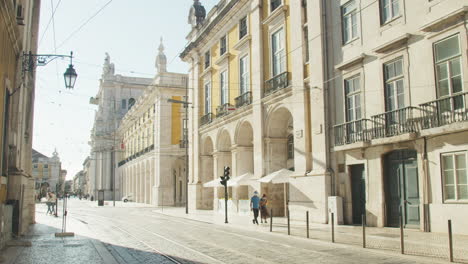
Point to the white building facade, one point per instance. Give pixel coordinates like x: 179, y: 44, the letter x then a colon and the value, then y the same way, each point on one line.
x: 117, y: 94
x: 152, y: 157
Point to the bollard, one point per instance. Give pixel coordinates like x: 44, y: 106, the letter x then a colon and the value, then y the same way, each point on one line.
x: 333, y: 227
x: 271, y: 220
x: 307, y: 223
x: 450, y: 240
x: 289, y: 227
x: 363, y: 231
x: 402, y: 240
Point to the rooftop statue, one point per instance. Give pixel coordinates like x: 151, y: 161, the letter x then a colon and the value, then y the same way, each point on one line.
x: 197, y: 14
x: 161, y: 60
x: 108, y: 68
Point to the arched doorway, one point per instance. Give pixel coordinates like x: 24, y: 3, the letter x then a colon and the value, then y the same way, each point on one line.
x: 402, y: 188
x: 280, y: 155
x: 223, y: 158
x: 244, y: 164
x: 206, y: 175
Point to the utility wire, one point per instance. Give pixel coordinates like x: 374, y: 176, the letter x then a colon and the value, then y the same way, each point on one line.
x: 50, y: 21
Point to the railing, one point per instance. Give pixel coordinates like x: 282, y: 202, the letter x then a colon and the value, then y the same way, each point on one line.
x: 352, y: 132
x: 445, y: 111
x: 206, y: 119
x: 274, y: 4
x: 244, y: 99
x: 278, y: 82
x: 224, y: 109
x: 395, y: 122
x: 136, y: 155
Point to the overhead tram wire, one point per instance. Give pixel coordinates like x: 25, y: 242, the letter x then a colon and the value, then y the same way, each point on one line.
x: 50, y: 21
x: 85, y: 23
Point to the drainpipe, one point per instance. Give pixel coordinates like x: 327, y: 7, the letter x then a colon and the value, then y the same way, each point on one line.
x: 426, y: 188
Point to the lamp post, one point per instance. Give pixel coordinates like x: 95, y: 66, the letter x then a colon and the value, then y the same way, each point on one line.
x: 185, y: 144
x: 30, y: 61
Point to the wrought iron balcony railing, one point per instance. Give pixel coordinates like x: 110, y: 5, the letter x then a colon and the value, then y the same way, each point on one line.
x: 445, y: 111
x: 352, y: 132
x: 396, y: 122
x: 224, y: 109
x: 244, y: 99
x: 206, y: 119
x: 276, y: 83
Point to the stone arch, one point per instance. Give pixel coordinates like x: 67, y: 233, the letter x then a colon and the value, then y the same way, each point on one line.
x: 178, y: 169
x: 279, y: 123
x: 205, y: 202
x: 244, y: 134
x: 223, y: 141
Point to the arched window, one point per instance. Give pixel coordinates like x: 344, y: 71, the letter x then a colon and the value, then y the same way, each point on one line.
x: 290, y: 147
x: 131, y: 102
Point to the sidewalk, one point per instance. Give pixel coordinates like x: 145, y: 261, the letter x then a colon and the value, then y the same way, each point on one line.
x: 41, y: 246
x: 415, y: 242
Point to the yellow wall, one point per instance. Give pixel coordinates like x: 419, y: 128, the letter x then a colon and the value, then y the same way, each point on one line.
x: 233, y: 82
x: 7, y: 71
x: 176, y: 132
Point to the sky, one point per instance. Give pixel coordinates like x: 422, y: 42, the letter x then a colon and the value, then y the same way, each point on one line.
x: 129, y: 30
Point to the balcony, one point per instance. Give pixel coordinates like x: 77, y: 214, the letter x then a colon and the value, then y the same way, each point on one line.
x: 244, y: 99
x: 276, y: 83
x: 224, y: 109
x: 352, y: 132
x: 206, y: 119
x: 445, y: 111
x: 396, y: 122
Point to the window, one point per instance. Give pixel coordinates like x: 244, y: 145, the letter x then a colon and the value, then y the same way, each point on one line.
x: 207, y: 59
x: 274, y: 4
x: 353, y: 98
x: 124, y: 104
x: 223, y: 88
x: 304, y: 11
x: 290, y: 147
x: 455, y: 176
x: 349, y: 20
x: 278, y: 53
x: 394, y: 86
x: 243, y: 27
x: 448, y: 67
x: 207, y: 98
x: 244, y: 74
x: 222, y: 45
x: 306, y: 43
x: 389, y: 9
x: 131, y: 102
x: 35, y: 166
x: 46, y: 166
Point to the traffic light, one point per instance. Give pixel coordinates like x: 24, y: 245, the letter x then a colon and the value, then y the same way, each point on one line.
x: 223, y: 181
x: 227, y: 172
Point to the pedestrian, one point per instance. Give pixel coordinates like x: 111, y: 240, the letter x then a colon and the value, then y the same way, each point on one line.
x: 53, y: 202
x: 263, y: 209
x: 49, y: 203
x: 254, y: 206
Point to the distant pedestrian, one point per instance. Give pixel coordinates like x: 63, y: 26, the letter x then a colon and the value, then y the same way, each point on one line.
x: 263, y: 209
x: 53, y: 202
x: 49, y: 203
x: 254, y: 206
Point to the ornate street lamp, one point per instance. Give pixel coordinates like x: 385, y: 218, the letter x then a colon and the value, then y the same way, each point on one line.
x: 30, y: 61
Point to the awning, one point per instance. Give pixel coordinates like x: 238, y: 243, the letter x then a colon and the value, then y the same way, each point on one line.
x: 280, y: 176
x: 244, y: 179
x: 213, y: 183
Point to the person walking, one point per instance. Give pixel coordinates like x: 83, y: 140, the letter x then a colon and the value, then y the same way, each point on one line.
x: 48, y: 203
x: 263, y: 209
x: 53, y: 202
x: 254, y: 206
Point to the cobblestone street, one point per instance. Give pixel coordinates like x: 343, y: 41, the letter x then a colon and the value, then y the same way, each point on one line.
x: 131, y: 233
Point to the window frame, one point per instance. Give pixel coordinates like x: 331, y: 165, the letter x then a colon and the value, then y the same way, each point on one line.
x: 244, y: 77
x: 270, y: 5
x: 290, y: 147
x: 455, y: 175
x: 208, y: 92
x: 223, y: 88
x: 241, y: 36
x: 124, y: 104
x: 392, y: 15
x: 207, y: 60
x: 447, y: 61
x: 305, y: 34
x: 353, y: 96
x: 350, y: 14
x: 393, y: 80
x: 223, y: 45
x: 274, y: 54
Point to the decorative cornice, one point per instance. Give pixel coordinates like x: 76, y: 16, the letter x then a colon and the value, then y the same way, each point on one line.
x: 393, y: 44
x: 446, y: 19
x: 351, y: 62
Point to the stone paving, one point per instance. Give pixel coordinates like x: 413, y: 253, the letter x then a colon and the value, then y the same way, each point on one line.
x: 135, y: 233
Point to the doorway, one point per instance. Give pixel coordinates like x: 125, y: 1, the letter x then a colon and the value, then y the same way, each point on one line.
x: 358, y: 192
x: 402, y: 188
